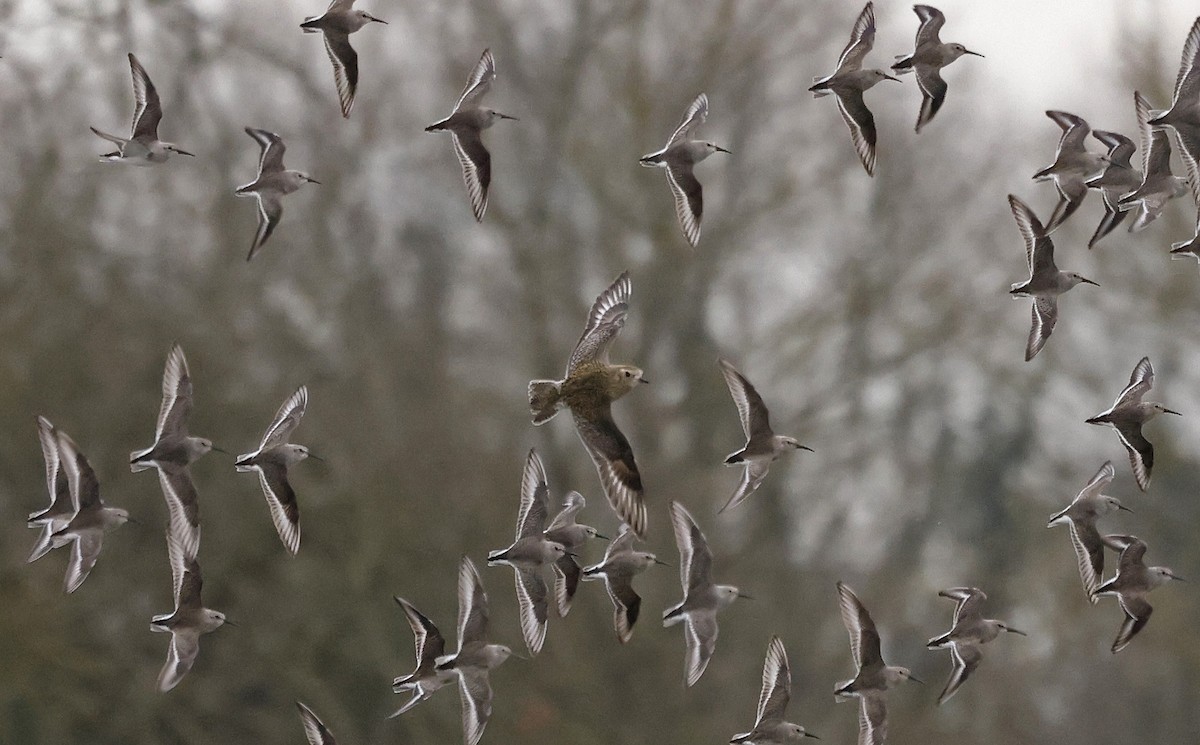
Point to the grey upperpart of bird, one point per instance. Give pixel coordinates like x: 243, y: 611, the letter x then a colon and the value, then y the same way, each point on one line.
x: 1131, y: 584
x: 189, y: 620
x: 873, y: 677
x: 968, y: 632
x: 1118, y: 179
x: 1127, y: 415
x: 272, y: 184
x: 1074, y: 165
x: 1045, y: 281
x: 620, y: 565
x: 465, y: 125
x: 679, y: 157
x: 929, y: 56
x: 58, y: 514
x: 336, y: 24
x: 1159, y: 185
x: 425, y: 679
x: 564, y: 529
x: 770, y: 728
x: 1080, y: 518
x: 92, y: 519
x: 142, y: 148
x: 848, y: 82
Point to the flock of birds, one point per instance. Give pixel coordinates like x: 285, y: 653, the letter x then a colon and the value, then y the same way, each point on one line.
x: 79, y: 518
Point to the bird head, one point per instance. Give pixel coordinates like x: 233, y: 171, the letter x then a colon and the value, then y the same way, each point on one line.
x: 1074, y: 279
x: 958, y: 50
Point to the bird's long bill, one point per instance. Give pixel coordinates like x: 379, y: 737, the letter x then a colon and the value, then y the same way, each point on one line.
x: 806, y: 447
x: 915, y: 679
x: 373, y: 18
x: 660, y: 561
x: 216, y: 449
x: 1011, y: 630
x: 1177, y: 577
x: 133, y: 520
x: 1123, y: 507
x: 603, y: 537
x: 183, y: 152
x: 1088, y: 281
x: 889, y: 77
x: 744, y: 595
x: 1171, y: 411
x: 722, y: 150
x: 314, y: 456
x: 809, y: 734
x: 506, y: 116
x: 312, y: 180
x: 230, y: 623
x: 968, y: 51
x: 643, y: 380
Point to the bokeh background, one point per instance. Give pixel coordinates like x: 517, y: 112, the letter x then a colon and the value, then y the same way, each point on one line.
x: 871, y: 313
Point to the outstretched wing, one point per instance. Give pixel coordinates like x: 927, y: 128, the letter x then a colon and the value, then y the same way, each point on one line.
x: 479, y: 83
x: 695, y: 557
x: 345, y: 67
x: 616, y: 466
x: 535, y: 496
x: 176, y: 395
x: 776, y: 685
x: 751, y: 409
x: 286, y: 420
x: 148, y: 113
x: 270, y: 159
x: 697, y: 112
x: 605, y: 320
x: 862, y: 38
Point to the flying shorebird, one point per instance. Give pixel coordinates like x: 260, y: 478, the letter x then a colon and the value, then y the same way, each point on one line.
x: 848, y: 83
x: 1045, y: 281
x: 679, y: 157
x: 928, y: 58
x: 55, y: 517
x: 572, y: 535
x: 763, y: 447
x: 85, y: 531
x: 1184, y: 116
x: 465, y: 124
x: 702, y: 599
x: 1131, y: 583
x: 1190, y: 247
x: 272, y: 460
x: 873, y: 678
x: 425, y: 679
x: 475, y: 657
x: 1072, y: 168
x: 530, y: 552
x: 590, y: 386
x: 1118, y: 179
x: 174, y: 450
x: 189, y: 620
x: 620, y: 565
x: 770, y: 728
x: 143, y: 148
x: 336, y: 24
x: 968, y: 632
x: 1127, y: 415
x: 1080, y: 517
x: 1159, y: 185
x: 314, y: 730
x: 272, y: 183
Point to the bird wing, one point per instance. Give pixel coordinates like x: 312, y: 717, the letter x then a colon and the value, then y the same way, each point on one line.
x: 1032, y: 231
x: 689, y: 199
x: 472, y: 605
x: 932, y: 21
x: 1045, y: 316
x: 751, y: 409
x: 475, y: 690
x: 1137, y: 613
x: 148, y: 112
x: 81, y: 479
x: 176, y: 395
x: 1140, y: 381
x: 776, y: 685
x: 183, y: 506
x: 345, y: 67
x: 605, y: 320
x: 862, y: 38
x: 1089, y: 552
x: 1074, y: 131
x: 85, y: 549
x: 57, y: 483
x: 314, y: 730
x: 1156, y: 147
x: 701, y: 635
x: 566, y: 580
x: 968, y: 600
x: 1133, y: 556
x: 476, y: 164
x: 864, y: 638
x: 1072, y: 190
x: 286, y: 420
x: 535, y: 495
x: 281, y: 498
x: 861, y: 123
x: 933, y: 93
x: 872, y: 720
x: 1187, y: 63
x: 531, y: 600
x: 753, y: 473
x: 616, y: 466
x: 626, y: 604
x: 479, y: 82
x: 695, y: 557
x: 270, y: 209
x: 270, y: 157
x: 186, y: 581
x: 1141, y: 452
x: 1102, y: 479
x: 181, y: 655
x: 573, y: 502
x: 966, y: 658
x: 428, y: 642
x: 697, y: 112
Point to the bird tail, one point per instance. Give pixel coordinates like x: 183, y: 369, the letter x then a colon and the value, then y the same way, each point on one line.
x: 903, y: 63
x: 135, y: 460
x: 545, y: 398
x: 819, y: 84
x: 939, y: 642
x: 1099, y: 419
x: 497, y: 555
x: 673, y: 616
x: 310, y: 25
x: 417, y: 697
x: 651, y: 160
x: 735, y: 458
x: 437, y: 126
x: 1059, y: 519
x: 1044, y: 174
x: 111, y: 138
